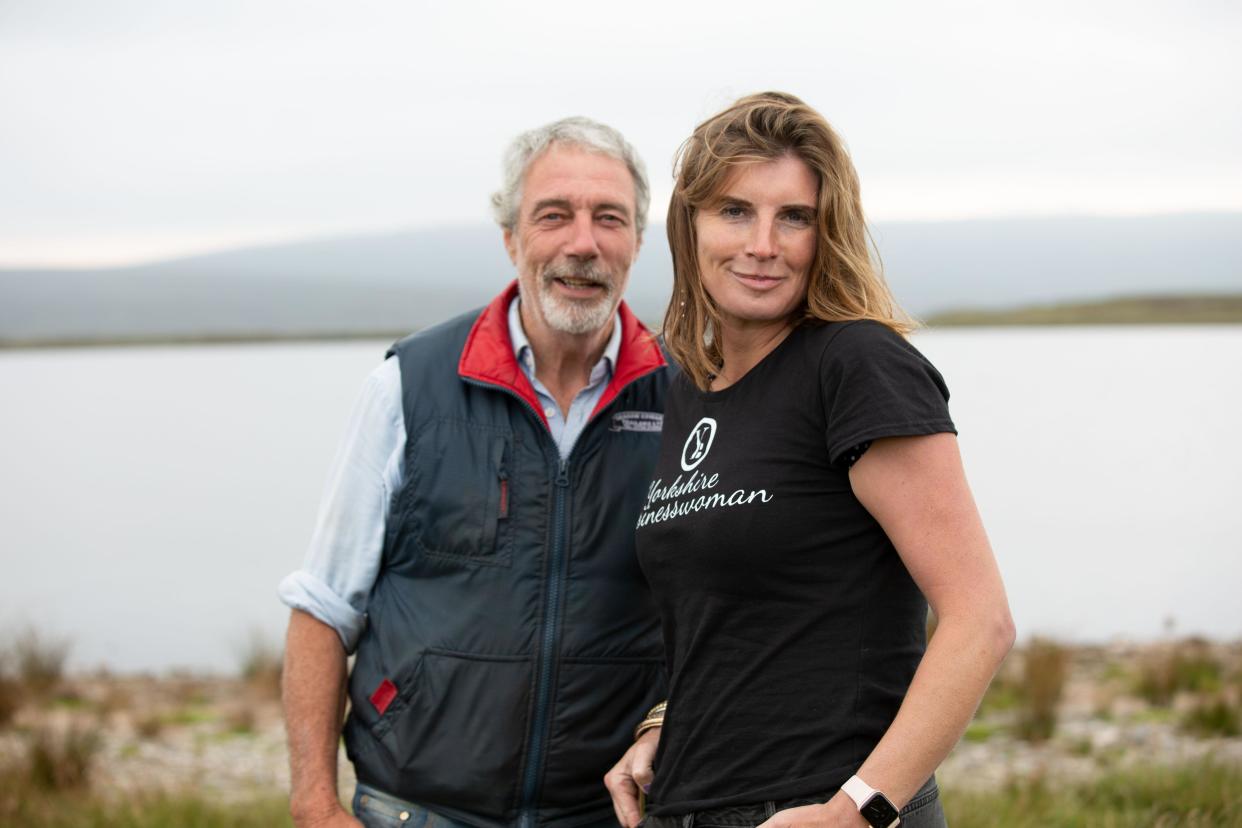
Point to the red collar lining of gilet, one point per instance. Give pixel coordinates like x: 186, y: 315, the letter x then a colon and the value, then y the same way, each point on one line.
x: 488, y: 356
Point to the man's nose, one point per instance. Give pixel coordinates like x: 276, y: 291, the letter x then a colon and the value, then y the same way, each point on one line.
x: 582, y: 243
x: 762, y: 242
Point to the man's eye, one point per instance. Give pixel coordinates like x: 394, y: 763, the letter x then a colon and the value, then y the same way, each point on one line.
x: 551, y: 217
x: 610, y: 218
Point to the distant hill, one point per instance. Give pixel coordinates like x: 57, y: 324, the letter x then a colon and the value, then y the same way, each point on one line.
x: 1129, y: 310
x: 381, y: 285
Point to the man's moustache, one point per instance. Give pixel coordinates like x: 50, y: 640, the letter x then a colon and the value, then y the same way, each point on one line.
x: 585, y: 272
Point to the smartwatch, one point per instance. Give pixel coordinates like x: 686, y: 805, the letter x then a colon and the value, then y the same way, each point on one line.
x: 874, y: 806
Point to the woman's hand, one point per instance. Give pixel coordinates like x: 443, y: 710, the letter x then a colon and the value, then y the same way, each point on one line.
x: 838, y: 812
x: 632, y: 774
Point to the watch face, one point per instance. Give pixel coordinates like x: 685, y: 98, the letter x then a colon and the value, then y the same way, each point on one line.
x: 878, y: 811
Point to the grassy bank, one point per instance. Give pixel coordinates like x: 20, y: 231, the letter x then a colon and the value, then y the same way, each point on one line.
x: 1202, y: 794
x: 1087, y: 735
x: 25, y: 808
x: 1193, y: 796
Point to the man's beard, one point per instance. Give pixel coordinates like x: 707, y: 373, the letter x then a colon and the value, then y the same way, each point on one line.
x: 575, y: 316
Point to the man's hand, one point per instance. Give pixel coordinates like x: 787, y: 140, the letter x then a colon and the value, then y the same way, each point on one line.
x: 331, y: 818
x: 632, y: 773
x: 838, y: 812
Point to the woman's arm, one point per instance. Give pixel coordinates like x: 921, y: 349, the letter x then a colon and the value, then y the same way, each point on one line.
x: 916, y: 489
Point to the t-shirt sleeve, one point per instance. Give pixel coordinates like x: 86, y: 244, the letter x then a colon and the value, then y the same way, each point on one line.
x: 876, y: 384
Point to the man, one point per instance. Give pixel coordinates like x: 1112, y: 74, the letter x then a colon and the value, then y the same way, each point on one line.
x: 475, y: 546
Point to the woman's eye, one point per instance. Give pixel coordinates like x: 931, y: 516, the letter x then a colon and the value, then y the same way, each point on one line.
x: 732, y: 211
x: 798, y: 217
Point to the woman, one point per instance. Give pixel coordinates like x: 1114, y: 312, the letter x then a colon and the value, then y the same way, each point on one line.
x: 809, y: 503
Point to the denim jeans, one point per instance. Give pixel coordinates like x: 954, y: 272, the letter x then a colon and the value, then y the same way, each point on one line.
x: 922, y: 811
x: 376, y: 809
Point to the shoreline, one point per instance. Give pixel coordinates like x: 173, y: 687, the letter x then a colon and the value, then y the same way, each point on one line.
x: 932, y: 324
x: 1121, y: 647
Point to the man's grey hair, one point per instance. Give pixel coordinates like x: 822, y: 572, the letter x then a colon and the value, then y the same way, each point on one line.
x: 575, y: 132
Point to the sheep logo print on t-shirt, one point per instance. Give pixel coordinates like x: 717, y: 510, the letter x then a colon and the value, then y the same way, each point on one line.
x: 700, y: 490
x: 698, y: 443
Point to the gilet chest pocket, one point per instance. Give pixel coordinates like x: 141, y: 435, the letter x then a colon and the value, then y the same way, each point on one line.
x: 460, y: 498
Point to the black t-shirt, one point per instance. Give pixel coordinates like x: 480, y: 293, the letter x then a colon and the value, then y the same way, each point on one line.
x: 791, y: 625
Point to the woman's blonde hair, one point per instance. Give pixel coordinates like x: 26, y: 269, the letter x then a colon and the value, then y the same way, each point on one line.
x: 844, y: 282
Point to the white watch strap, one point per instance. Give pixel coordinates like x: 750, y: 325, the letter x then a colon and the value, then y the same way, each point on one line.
x: 858, y: 790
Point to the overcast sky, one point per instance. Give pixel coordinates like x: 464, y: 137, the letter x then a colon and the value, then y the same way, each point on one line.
x: 131, y: 130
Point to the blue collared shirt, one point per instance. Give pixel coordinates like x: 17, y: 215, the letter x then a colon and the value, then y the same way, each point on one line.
x: 565, y: 426
x: 343, y: 559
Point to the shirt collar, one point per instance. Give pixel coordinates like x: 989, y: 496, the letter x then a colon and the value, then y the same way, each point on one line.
x: 526, y: 356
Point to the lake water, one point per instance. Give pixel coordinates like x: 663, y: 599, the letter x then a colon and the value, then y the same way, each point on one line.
x: 151, y: 498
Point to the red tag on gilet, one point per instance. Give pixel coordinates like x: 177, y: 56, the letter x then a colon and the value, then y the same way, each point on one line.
x: 383, y: 695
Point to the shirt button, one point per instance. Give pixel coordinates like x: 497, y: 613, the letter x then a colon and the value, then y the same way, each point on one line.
x: 403, y: 816
x: 549, y: 411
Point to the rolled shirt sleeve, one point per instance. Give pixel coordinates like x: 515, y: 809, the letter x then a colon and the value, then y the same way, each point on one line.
x: 344, y: 556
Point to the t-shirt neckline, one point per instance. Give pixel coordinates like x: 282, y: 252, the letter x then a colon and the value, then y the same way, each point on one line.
x: 757, y: 368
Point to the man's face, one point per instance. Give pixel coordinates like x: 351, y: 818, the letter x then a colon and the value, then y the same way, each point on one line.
x: 574, y: 240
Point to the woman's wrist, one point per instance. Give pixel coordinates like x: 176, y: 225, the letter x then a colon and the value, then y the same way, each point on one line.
x: 841, y: 810
x: 653, y: 719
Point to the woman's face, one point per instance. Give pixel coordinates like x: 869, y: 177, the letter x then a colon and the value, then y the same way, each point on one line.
x: 756, y: 241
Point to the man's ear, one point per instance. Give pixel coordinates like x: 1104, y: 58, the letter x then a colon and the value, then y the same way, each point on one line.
x: 511, y: 245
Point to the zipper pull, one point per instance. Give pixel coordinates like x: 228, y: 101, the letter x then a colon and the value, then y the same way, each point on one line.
x: 562, y: 474
x: 504, y: 495
x: 502, y: 474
